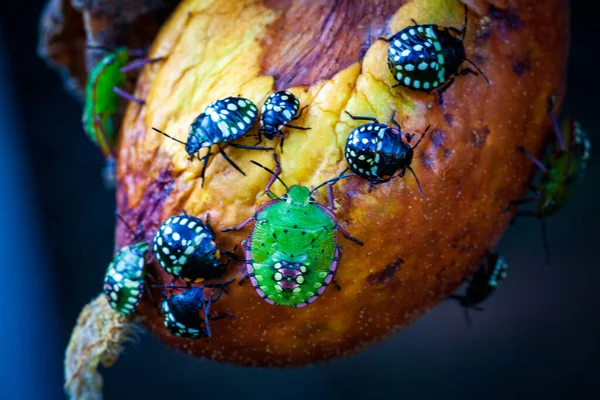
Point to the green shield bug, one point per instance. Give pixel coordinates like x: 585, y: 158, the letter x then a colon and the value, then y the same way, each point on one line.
x: 102, y: 93
x: 292, y: 252
x: 562, y: 171
x: 124, y: 279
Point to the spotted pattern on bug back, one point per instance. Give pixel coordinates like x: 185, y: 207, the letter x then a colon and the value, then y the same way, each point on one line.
x: 124, y: 279
x: 377, y: 151
x: 185, y: 247
x: 425, y: 57
x: 222, y: 121
x: 185, y: 313
x: 280, y: 108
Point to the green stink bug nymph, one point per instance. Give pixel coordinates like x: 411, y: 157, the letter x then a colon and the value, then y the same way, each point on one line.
x: 292, y: 252
x: 562, y: 172
x: 102, y: 93
x: 124, y: 279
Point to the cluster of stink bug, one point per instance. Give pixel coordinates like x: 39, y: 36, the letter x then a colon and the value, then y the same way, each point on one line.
x: 292, y: 252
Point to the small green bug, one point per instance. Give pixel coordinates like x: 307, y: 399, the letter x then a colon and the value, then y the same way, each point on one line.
x: 562, y: 171
x: 292, y: 252
x: 102, y: 93
x: 124, y: 279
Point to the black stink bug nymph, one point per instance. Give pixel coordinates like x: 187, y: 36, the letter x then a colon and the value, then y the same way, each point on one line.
x: 376, y: 152
x: 221, y: 123
x: 427, y: 57
x: 279, y: 109
x: 482, y: 283
x: 185, y: 247
x: 187, y: 310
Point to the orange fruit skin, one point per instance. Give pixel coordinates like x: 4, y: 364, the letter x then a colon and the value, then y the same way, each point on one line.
x: 418, y: 249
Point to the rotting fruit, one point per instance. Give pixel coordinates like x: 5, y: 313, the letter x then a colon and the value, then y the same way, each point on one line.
x: 417, y: 249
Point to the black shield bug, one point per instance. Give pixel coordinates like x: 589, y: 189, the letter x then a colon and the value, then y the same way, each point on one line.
x: 221, y: 122
x: 376, y: 152
x: 185, y: 247
x: 482, y: 283
x: 279, y: 109
x: 427, y: 57
x: 187, y: 310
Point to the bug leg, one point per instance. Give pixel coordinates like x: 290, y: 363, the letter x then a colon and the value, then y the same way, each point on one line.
x: 556, y: 128
x: 259, y: 137
x: 140, y: 63
x: 422, y: 136
x: 330, y: 197
x: 414, y: 22
x: 516, y: 203
x: 537, y: 162
x: 128, y: 96
x: 337, y: 285
x: 244, y: 278
x: 204, y: 165
x: 221, y: 316
x: 416, y: 179
x: 358, y: 118
x: 299, y: 114
x: 240, y: 226
x: 467, y: 71
x: 388, y: 40
x: 274, y: 175
x: 442, y: 90
x: 231, y: 255
x: 243, y: 146
x: 348, y: 235
x: 104, y: 142
x: 454, y: 30
x: 393, y: 119
x: 282, y: 136
x: 222, y: 289
x: 230, y: 161
x: 296, y: 127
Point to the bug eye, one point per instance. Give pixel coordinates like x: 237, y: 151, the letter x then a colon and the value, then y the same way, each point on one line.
x: 311, y: 200
x: 285, y: 197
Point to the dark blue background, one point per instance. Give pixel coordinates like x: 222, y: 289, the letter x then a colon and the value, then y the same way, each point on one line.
x: 538, y: 336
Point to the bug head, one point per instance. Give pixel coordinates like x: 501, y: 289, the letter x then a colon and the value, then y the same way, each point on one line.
x: 269, y: 131
x: 298, y: 195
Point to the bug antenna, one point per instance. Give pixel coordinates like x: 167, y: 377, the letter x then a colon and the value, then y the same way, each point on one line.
x: 170, y: 137
x: 416, y: 179
x: 332, y: 181
x: 422, y: 136
x: 271, y: 172
x: 478, y: 70
x: 120, y: 217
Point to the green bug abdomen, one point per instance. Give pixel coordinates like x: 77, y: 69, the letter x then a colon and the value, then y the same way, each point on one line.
x: 292, y: 253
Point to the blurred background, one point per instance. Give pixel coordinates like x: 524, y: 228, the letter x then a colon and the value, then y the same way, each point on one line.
x: 538, y: 337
